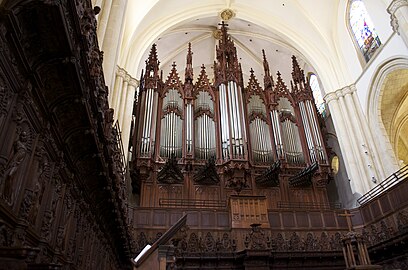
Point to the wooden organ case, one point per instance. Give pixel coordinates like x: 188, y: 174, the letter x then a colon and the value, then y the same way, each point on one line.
x: 221, y: 146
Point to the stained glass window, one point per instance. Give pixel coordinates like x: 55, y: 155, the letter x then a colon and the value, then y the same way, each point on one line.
x: 363, y: 29
x: 317, y: 94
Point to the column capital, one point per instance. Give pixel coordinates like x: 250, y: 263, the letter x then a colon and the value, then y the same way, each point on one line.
x: 330, y: 97
x: 134, y: 82
x: 121, y: 72
x: 127, y: 78
x: 350, y: 89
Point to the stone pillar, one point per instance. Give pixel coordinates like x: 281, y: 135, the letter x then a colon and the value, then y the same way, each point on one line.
x: 122, y: 102
x: 112, y: 38
x: 103, y: 19
x: 356, y: 142
x: 117, y: 90
x: 127, y: 114
x: 398, y: 9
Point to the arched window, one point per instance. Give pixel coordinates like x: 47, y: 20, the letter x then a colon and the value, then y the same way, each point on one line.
x: 363, y: 29
x: 317, y: 94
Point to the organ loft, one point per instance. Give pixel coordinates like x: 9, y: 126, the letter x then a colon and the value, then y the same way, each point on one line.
x: 227, y: 144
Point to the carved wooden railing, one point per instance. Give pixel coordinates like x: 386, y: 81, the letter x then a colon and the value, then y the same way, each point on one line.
x: 192, y: 203
x: 309, y: 205
x: 391, y: 181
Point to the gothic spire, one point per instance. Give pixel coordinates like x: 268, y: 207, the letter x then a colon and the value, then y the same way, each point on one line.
x: 268, y: 80
x: 300, y: 86
x: 189, y: 66
x: 152, y: 69
x: 227, y: 66
x: 297, y: 73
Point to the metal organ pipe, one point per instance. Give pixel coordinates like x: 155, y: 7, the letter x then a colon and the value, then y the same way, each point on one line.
x: 291, y: 143
x: 203, y: 136
x: 265, y: 141
x: 231, y: 116
x: 207, y: 135
x: 234, y: 116
x: 258, y: 129
x: 278, y: 133
x: 155, y: 97
x: 189, y: 128
x: 243, y: 125
x: 240, y: 120
x: 144, y: 140
x: 180, y: 136
x: 257, y: 141
x: 149, y: 120
x: 262, y: 148
x: 224, y: 122
x: 253, y: 139
x: 198, y: 138
x: 205, y: 140
x: 306, y: 125
x: 319, y: 141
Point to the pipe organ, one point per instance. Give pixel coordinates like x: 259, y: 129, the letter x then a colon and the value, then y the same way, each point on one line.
x: 220, y: 138
x: 147, y: 116
x: 171, y: 139
x: 204, y: 126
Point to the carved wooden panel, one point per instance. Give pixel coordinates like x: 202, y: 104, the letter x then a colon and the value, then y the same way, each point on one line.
x: 247, y: 210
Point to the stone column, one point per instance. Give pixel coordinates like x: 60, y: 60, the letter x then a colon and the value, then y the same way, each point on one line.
x: 122, y: 102
x: 112, y: 39
x: 339, y: 121
x: 127, y: 114
x: 117, y: 90
x: 103, y: 19
x: 398, y: 9
x: 356, y: 142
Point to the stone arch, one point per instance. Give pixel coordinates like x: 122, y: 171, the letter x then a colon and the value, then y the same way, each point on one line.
x: 387, y: 110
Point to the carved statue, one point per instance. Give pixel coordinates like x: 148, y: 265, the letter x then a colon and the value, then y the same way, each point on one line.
x: 43, y: 176
x: 20, y: 150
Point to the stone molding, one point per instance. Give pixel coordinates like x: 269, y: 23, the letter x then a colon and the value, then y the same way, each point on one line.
x: 392, y: 8
x: 121, y: 72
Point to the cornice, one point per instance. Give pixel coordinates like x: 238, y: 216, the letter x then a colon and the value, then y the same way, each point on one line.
x: 392, y: 8
x: 121, y: 72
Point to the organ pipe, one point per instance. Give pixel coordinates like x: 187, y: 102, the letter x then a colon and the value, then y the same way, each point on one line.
x: 172, y: 125
x: 306, y: 124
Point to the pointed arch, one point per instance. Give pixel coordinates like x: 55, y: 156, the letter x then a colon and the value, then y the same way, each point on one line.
x: 377, y: 91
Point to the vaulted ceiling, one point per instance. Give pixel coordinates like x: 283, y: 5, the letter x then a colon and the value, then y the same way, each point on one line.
x: 313, y: 30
